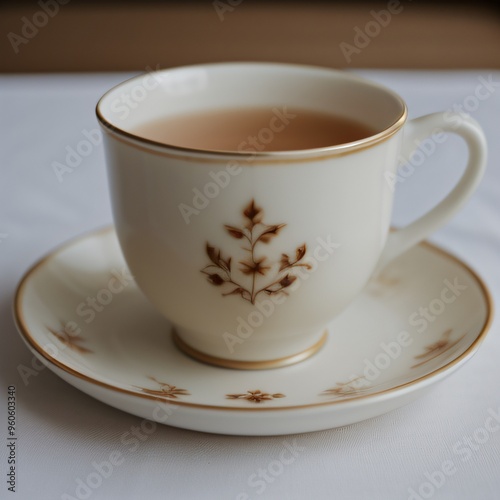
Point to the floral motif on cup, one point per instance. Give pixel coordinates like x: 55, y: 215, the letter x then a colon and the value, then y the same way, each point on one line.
x: 255, y: 266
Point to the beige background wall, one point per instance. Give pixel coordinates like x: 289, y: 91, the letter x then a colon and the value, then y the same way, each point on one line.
x: 134, y: 36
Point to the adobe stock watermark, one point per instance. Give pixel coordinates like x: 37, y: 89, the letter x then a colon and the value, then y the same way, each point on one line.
x: 425, y: 315
x: 407, y: 166
x: 265, y: 307
x: 75, y: 154
x: 221, y: 179
x: 130, y: 441
x: 464, y: 449
x: 364, y: 36
x: 176, y: 83
x: 93, y: 305
x: 279, y: 121
x: 31, y: 27
x: 373, y: 368
x: 127, y: 101
x: 69, y: 334
x: 392, y: 349
x: 263, y: 477
x: 455, y: 117
x: 221, y: 7
x: 201, y: 197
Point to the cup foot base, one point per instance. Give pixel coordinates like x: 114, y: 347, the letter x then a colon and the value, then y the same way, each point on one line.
x: 248, y: 365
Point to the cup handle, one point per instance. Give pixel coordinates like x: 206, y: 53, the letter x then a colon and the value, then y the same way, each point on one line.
x: 401, y: 240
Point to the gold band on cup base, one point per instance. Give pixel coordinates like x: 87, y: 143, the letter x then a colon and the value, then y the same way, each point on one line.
x: 248, y: 365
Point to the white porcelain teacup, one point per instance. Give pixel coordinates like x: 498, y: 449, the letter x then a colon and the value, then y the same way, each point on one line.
x: 251, y: 254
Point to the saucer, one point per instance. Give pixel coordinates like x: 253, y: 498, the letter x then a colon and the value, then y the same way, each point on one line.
x: 79, y: 312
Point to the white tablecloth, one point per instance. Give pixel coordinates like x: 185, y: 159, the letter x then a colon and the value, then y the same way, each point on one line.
x: 62, y: 431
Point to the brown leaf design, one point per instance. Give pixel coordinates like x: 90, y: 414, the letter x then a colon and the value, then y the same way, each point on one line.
x: 287, y: 280
x: 254, y: 231
x: 226, y: 263
x: 216, y: 257
x: 257, y: 267
x: 437, y: 348
x: 235, y: 232
x: 270, y: 233
x: 72, y: 341
x: 166, y: 391
x: 215, y: 279
x: 300, y: 252
x: 253, y: 213
x: 349, y: 389
x: 237, y: 291
x: 284, y: 262
x: 212, y: 254
x: 256, y: 396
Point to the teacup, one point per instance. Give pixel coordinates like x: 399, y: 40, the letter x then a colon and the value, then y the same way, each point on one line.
x: 251, y: 254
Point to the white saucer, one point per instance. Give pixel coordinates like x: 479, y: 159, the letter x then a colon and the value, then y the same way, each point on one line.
x: 125, y: 356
